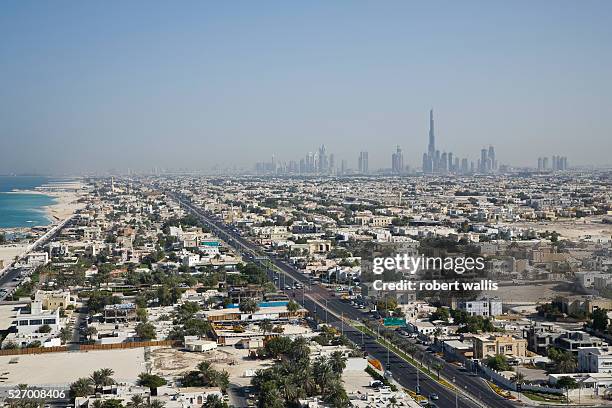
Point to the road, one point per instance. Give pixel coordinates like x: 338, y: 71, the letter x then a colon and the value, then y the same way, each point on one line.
x: 318, y: 301
x: 9, y: 273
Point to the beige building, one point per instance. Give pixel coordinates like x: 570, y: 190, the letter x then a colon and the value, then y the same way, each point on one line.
x: 491, y: 344
x: 54, y: 299
x: 584, y: 304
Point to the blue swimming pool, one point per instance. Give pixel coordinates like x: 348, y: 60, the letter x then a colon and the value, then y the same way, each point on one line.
x: 262, y: 304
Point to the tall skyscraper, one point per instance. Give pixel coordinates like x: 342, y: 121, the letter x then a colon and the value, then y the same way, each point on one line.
x: 431, y: 158
x: 492, y: 160
x: 362, y: 163
x: 397, y: 161
x: 432, y: 138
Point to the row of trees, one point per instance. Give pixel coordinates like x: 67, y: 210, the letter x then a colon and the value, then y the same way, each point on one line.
x: 294, y: 376
x: 99, y: 379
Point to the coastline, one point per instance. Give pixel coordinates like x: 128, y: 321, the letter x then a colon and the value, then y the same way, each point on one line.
x: 65, y: 196
x: 65, y: 204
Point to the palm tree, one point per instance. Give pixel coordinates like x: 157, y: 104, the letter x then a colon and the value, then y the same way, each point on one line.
x: 137, y: 401
x: 102, y: 378
x: 248, y: 306
x: 292, y: 307
x: 65, y: 334
x: 266, y: 326
x: 337, y: 361
x: 289, y: 390
x: 299, y: 349
x: 82, y: 387
x: 98, y: 403
x: 90, y: 331
x: 152, y: 381
x: 437, y: 332
x: 156, y: 404
x: 214, y: 401
x: 438, y: 367
x: 410, y: 349
x: 307, y: 380
x: 323, y: 373
x: 335, y: 394
x: 222, y: 380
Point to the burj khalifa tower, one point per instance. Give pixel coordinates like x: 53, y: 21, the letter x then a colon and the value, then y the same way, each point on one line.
x: 431, y: 157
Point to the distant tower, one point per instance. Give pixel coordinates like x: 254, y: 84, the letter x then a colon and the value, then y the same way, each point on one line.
x: 432, y: 138
x: 397, y: 161
x: 112, y: 184
x: 492, y: 160
x: 362, y: 163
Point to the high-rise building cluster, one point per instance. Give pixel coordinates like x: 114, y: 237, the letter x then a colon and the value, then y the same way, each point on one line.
x: 435, y: 162
x: 558, y: 163
x: 319, y: 162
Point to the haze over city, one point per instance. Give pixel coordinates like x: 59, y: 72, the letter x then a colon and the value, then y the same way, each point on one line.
x: 90, y: 87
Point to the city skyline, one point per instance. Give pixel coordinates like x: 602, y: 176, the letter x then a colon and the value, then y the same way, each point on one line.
x: 89, y: 88
x: 435, y: 161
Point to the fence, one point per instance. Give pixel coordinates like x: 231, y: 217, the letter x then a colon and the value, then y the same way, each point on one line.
x: 88, y: 347
x: 32, y: 350
x: 128, y: 345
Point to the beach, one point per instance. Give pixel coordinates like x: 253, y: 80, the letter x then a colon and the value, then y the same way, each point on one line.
x: 65, y: 196
x: 65, y: 203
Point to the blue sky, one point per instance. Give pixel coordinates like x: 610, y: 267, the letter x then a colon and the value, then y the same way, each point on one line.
x: 90, y: 86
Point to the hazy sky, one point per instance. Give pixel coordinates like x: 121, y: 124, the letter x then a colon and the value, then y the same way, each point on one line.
x: 91, y: 86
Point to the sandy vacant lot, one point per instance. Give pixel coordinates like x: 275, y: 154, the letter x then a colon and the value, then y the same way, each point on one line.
x: 64, y: 368
x: 532, y: 293
x: 173, y: 362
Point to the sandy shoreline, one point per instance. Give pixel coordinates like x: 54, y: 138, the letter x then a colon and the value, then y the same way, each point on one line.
x: 66, y: 196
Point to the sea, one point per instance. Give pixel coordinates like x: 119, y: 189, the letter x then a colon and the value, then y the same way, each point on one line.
x: 23, y: 210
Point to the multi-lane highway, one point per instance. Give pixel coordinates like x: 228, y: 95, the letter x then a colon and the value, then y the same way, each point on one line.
x: 473, y: 391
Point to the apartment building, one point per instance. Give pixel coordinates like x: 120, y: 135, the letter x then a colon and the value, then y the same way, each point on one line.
x: 595, y: 360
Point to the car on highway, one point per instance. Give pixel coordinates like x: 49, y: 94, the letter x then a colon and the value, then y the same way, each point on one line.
x: 433, y: 396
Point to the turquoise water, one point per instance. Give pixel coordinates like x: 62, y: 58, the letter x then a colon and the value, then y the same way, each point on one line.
x: 23, y: 210
x: 261, y: 304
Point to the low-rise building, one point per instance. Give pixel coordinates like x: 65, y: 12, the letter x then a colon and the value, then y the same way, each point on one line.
x: 595, y: 360
x: 122, y: 312
x: 491, y: 344
x: 482, y: 307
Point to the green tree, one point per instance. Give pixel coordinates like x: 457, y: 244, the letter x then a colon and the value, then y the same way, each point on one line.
x: 438, y: 367
x: 45, y: 328
x: 90, y: 332
x: 145, y: 331
x: 600, y: 320
x: 82, y: 388
x: 498, y: 362
x: 156, y: 404
x: 102, y: 378
x: 214, y: 401
x: 266, y: 326
x: 567, y: 383
x: 65, y: 334
x: 293, y: 307
x: 152, y: 381
x: 248, y: 306
x: 337, y: 361
x: 137, y: 401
